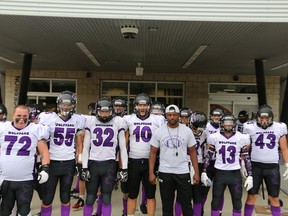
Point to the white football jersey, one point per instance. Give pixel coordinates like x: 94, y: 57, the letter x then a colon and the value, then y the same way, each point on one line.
x: 104, y: 137
x: 210, y: 129
x: 140, y: 133
x: 18, y: 150
x: 228, y: 149
x: 62, y: 134
x: 265, y: 142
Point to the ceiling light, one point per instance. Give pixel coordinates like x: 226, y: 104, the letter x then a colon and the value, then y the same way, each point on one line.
x: 279, y: 66
x: 194, y: 56
x: 85, y: 50
x: 7, y: 60
x: 153, y: 29
x: 139, y: 70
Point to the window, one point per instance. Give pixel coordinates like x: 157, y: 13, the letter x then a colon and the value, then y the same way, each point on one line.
x: 45, y: 91
x: 165, y: 92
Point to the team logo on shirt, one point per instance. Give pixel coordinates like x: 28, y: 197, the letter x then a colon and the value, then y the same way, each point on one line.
x: 172, y: 142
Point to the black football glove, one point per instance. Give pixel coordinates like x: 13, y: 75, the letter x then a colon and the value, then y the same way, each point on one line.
x: 123, y: 174
x: 85, y: 174
x: 78, y: 169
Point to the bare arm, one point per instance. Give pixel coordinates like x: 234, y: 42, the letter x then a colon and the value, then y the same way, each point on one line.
x: 152, y: 160
x: 79, y: 145
x: 44, y: 152
x: 284, y: 148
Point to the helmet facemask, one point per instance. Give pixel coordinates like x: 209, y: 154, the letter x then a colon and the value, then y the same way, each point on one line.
x: 197, y: 131
x: 119, y: 106
x: 157, y: 109
x: 215, y: 120
x: 264, y: 120
x: 66, y: 104
x: 215, y: 116
x: 228, y: 124
x: 198, y: 122
x: 142, y: 109
x: 185, y: 114
x: 104, y: 110
x: 264, y: 116
x: 66, y: 109
x: 104, y: 115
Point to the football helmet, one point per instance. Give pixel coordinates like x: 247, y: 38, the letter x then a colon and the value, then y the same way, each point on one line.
x: 142, y: 104
x: 198, y: 122
x: 104, y: 109
x: 34, y: 111
x: 3, y: 111
x: 264, y: 116
x: 119, y: 106
x: 66, y: 103
x: 185, y: 114
x: 157, y: 108
x: 215, y: 116
x: 228, y: 123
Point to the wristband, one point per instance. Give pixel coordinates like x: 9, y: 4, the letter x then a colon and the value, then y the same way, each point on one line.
x: 80, y: 157
x: 286, y: 165
x: 45, y: 167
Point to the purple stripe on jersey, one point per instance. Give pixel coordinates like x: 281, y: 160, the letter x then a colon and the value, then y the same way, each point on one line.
x: 121, y: 130
x: 88, y: 129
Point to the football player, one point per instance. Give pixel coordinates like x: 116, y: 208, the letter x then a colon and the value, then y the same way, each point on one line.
x: 19, y: 140
x: 65, y: 127
x: 228, y: 144
x: 141, y: 125
x: 268, y: 138
x: 102, y: 135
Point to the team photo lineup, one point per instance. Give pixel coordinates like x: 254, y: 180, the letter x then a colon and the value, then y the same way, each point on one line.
x: 181, y: 152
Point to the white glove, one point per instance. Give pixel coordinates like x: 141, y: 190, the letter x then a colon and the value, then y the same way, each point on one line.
x: 248, y: 183
x: 43, y: 177
x: 205, y: 180
x: 243, y: 170
x: 192, y: 172
x: 285, y: 175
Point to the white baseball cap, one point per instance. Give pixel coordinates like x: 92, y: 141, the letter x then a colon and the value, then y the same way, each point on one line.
x: 172, y: 109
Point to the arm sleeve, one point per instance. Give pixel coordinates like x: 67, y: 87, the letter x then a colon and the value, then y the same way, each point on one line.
x: 86, y: 148
x: 208, y: 153
x: 246, y: 157
x: 123, y: 149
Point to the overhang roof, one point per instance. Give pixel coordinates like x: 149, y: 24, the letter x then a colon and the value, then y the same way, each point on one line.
x: 161, y: 46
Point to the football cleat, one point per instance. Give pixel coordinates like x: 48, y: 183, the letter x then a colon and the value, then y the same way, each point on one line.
x: 79, y: 204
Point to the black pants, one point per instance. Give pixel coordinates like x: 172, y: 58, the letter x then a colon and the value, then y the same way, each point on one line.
x: 62, y: 171
x: 222, y: 179
x: 103, y: 174
x: 20, y: 192
x: 169, y: 183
